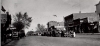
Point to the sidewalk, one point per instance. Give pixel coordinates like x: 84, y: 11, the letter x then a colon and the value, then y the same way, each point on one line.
x: 88, y: 33
x: 8, y: 41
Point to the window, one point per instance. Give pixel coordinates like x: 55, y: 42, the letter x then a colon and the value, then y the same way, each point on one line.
x: 3, y: 20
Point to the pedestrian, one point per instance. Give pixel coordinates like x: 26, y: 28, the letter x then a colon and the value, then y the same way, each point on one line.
x: 62, y: 34
x: 72, y: 34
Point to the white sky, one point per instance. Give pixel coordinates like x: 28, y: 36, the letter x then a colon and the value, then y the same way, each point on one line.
x: 42, y: 11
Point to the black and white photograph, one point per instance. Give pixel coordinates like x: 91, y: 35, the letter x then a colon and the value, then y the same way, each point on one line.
x: 50, y: 22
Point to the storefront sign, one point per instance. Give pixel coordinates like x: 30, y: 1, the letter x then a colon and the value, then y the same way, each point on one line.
x: 3, y: 18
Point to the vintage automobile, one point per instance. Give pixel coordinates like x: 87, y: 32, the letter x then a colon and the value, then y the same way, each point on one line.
x: 15, y: 35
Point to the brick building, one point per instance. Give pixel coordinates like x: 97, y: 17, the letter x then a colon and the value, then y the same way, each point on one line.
x: 52, y: 23
x: 60, y: 26
x: 56, y: 25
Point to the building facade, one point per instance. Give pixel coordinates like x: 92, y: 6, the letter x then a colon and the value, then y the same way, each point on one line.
x: 54, y: 28
x: 60, y: 26
x: 5, y: 22
x: 68, y: 22
x: 56, y: 25
x: 81, y: 22
x: 98, y: 12
x: 52, y: 23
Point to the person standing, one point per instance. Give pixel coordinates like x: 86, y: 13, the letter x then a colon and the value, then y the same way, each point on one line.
x: 62, y: 34
x: 72, y: 34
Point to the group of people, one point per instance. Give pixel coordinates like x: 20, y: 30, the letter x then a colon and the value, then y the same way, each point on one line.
x: 62, y: 33
x: 54, y: 32
x: 70, y: 34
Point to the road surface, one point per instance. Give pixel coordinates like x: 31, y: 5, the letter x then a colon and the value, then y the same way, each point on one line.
x: 80, y: 40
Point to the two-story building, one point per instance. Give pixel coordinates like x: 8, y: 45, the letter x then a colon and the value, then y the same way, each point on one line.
x: 60, y: 26
x: 68, y: 22
x: 51, y: 24
x: 98, y: 12
x: 55, y: 24
x: 5, y: 22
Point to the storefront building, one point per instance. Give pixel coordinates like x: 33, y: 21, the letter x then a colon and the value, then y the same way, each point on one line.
x: 81, y: 22
x: 5, y: 22
x: 98, y: 13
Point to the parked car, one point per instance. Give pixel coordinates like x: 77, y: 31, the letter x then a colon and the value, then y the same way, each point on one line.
x: 35, y: 34
x: 66, y: 34
x: 15, y: 35
x: 9, y: 36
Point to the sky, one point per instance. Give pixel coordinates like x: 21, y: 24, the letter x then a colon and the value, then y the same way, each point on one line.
x: 42, y: 11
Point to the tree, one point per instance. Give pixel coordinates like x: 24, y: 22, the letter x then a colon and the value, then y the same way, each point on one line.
x: 29, y: 33
x: 19, y: 25
x: 22, y: 21
x: 40, y: 28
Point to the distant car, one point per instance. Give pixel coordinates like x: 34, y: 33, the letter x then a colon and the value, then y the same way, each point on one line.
x: 72, y: 34
x: 66, y: 34
x: 39, y: 34
x: 35, y: 34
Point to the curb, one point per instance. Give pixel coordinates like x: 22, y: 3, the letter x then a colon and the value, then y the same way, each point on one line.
x: 3, y: 44
x: 88, y: 33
